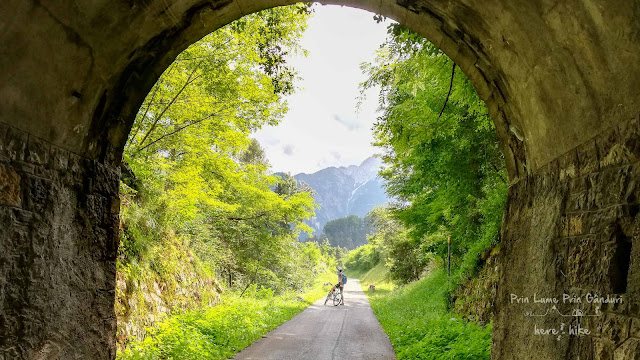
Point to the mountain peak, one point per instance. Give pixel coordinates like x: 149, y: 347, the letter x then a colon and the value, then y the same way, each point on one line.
x: 371, y: 161
x: 346, y: 190
x: 367, y: 170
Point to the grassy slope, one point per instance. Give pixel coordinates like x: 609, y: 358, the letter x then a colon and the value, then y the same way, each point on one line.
x: 376, y: 276
x: 221, y: 331
x: 417, y: 320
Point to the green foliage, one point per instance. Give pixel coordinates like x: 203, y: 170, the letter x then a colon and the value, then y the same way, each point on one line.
x: 364, y: 257
x: 144, y: 224
x: 220, y: 88
x: 347, y: 232
x: 377, y: 275
x: 204, y: 205
x: 444, y: 164
x: 202, y: 176
x: 287, y: 186
x: 403, y: 255
x: 221, y: 331
x: 419, y: 325
x: 167, y: 274
x: 417, y: 317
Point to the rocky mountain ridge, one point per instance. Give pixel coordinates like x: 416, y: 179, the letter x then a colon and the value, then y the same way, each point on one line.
x: 344, y: 191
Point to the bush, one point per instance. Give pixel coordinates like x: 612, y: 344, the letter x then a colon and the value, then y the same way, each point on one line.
x: 362, y: 258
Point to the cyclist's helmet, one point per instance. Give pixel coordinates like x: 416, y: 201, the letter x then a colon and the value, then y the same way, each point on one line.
x: 340, y: 268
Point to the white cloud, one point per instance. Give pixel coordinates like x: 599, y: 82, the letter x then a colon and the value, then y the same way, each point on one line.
x: 349, y: 123
x: 288, y: 149
x: 322, y: 124
x: 269, y: 140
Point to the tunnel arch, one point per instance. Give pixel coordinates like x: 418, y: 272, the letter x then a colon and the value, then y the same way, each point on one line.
x: 201, y: 19
x: 517, y: 54
x: 560, y: 80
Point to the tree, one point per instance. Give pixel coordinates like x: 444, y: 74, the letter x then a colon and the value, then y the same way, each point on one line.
x: 442, y: 157
x: 232, y: 81
x: 347, y: 232
x: 191, y: 149
x: 254, y: 154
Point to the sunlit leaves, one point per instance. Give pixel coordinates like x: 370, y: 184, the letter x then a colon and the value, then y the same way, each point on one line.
x: 191, y: 148
x: 444, y: 164
x: 219, y: 332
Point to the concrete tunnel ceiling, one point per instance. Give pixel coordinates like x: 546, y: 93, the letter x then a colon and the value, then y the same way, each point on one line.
x: 538, y: 65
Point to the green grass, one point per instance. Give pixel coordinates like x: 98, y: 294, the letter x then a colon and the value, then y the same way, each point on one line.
x: 414, y: 316
x: 378, y: 276
x: 221, y: 331
x: 416, y: 319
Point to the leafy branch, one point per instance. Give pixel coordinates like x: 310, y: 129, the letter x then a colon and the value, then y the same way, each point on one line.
x: 188, y: 82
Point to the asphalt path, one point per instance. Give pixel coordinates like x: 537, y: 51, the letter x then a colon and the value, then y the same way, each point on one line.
x: 349, y: 331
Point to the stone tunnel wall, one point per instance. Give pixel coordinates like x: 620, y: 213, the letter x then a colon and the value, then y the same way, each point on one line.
x: 570, y: 228
x: 58, y: 245
x: 573, y: 228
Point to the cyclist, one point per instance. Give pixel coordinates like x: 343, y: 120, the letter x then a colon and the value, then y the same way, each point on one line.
x: 340, y: 285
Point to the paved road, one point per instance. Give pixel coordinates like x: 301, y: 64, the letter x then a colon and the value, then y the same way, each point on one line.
x: 327, y: 332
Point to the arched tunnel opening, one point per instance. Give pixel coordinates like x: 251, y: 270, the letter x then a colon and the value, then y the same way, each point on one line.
x: 563, y: 97
x: 182, y: 114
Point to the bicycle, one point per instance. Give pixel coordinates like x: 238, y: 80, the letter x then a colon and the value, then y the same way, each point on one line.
x: 335, y: 296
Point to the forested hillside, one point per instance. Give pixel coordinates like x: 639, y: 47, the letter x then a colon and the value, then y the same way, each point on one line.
x: 347, y: 232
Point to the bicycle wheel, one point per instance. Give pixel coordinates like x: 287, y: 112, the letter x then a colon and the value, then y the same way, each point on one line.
x: 337, y: 298
x: 327, y: 299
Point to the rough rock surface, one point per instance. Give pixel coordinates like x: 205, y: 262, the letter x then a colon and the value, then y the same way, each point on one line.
x: 475, y: 299
x: 58, y: 244
x: 573, y: 228
x: 142, y: 303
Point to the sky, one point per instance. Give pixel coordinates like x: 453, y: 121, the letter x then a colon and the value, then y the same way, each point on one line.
x: 323, y: 128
